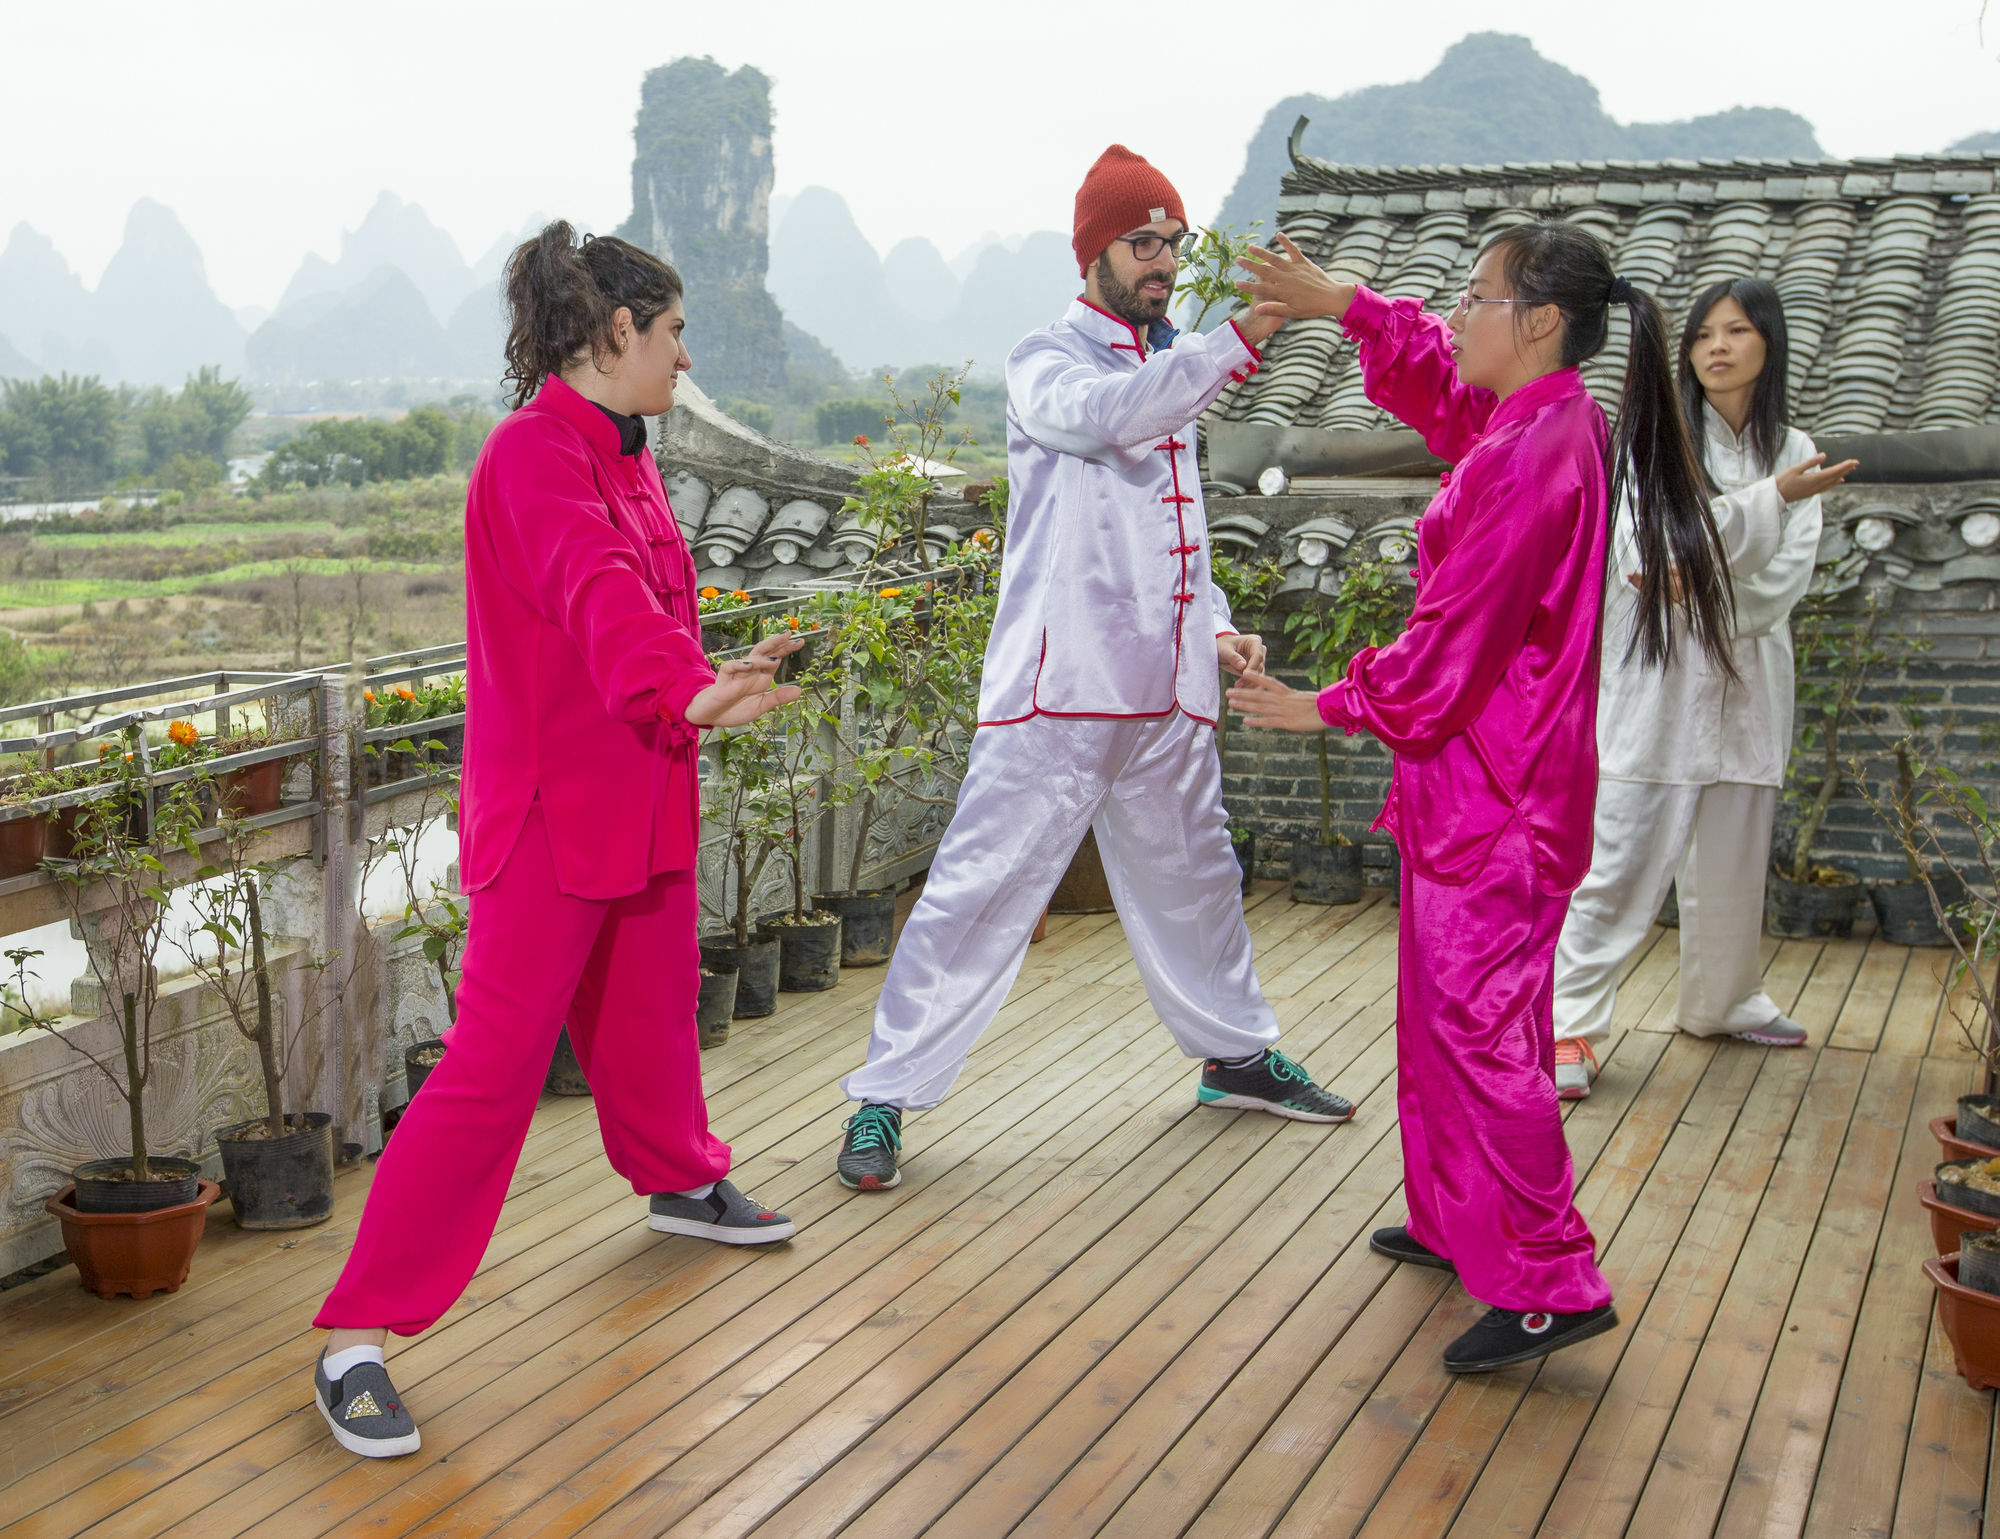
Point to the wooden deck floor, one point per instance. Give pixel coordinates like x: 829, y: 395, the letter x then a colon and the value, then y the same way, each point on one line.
x: 1093, y: 1309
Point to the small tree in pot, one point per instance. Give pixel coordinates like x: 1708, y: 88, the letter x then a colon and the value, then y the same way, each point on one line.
x: 1837, y: 653
x: 1369, y: 610
x: 805, y: 792
x: 1250, y: 588
x: 740, y: 798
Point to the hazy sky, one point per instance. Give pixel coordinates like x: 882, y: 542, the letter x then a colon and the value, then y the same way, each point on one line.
x: 270, y: 127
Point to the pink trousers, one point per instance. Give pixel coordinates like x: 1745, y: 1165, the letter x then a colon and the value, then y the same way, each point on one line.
x: 1486, y: 1171
x: 624, y: 974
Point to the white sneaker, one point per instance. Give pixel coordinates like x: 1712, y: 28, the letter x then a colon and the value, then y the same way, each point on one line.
x: 1576, y: 1066
x: 1779, y: 1031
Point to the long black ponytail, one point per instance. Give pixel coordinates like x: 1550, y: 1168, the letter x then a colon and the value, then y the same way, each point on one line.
x: 1683, y: 570
x: 563, y: 298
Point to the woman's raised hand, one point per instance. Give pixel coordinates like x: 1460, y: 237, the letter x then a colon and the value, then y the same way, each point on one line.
x: 1264, y: 702
x: 1808, y: 479
x: 1284, y: 284
x: 745, y: 688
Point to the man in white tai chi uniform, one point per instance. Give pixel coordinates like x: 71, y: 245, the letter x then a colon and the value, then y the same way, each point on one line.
x: 1099, y: 698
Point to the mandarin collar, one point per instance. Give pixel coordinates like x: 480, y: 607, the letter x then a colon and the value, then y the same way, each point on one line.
x: 584, y: 415
x: 1537, y: 393
x: 1103, y: 326
x: 1720, y: 430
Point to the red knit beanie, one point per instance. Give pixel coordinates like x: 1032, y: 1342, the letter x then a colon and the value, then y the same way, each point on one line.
x: 1123, y: 192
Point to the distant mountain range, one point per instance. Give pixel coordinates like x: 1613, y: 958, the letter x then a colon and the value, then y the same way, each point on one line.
x: 1491, y: 98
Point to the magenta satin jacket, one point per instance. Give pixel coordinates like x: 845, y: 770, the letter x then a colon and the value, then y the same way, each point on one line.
x: 1489, y: 697
x: 583, y: 648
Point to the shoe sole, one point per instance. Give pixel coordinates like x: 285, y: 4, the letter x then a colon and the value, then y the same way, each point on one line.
x: 367, y: 1447
x: 1251, y: 1103
x: 1581, y: 1333
x: 871, y: 1183
x: 1763, y: 1041
x: 725, y: 1234
x: 1436, y: 1263
x: 1572, y: 1092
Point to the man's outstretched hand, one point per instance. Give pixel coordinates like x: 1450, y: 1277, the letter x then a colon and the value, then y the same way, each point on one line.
x: 1240, y: 654
x: 744, y: 689
x: 1263, y: 702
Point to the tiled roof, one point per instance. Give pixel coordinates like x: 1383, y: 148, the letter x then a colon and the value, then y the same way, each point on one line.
x: 1889, y: 269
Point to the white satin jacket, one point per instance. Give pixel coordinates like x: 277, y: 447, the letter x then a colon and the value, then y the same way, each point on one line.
x: 1689, y: 724
x: 1107, y: 607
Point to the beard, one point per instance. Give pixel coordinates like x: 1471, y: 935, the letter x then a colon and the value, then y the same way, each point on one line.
x: 1127, y: 303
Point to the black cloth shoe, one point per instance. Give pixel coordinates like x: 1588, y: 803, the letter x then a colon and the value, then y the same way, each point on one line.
x: 725, y: 1214
x: 1509, y: 1336
x: 868, y: 1153
x: 364, y: 1412
x: 1397, y: 1245
x: 1274, y: 1084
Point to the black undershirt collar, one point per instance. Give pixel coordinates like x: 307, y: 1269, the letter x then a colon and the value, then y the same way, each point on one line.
x: 631, y: 430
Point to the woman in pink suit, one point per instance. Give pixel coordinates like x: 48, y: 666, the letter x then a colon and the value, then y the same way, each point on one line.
x: 1488, y: 701
x: 585, y: 684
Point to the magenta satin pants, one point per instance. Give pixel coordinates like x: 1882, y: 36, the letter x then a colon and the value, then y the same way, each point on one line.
x: 1486, y: 1171
x: 624, y: 974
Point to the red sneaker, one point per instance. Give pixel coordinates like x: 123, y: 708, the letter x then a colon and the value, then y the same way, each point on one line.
x: 1576, y: 1067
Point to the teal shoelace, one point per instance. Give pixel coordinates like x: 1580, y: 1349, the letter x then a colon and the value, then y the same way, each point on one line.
x: 873, y: 1127
x: 1282, y: 1067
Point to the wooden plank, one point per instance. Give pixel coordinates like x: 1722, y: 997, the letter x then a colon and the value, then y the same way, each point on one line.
x: 1698, y: 1455
x: 1866, y: 1011
x: 1862, y: 1467
x: 1826, y: 989
x: 1914, y: 1014
x: 1944, y: 1467
x: 1771, y: 1485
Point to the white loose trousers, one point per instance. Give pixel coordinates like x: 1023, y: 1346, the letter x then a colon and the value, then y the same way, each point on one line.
x: 1152, y: 790
x: 1716, y: 839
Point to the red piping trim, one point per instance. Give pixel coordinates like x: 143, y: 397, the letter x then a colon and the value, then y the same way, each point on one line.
x: 1138, y: 343
x: 1174, y: 709
x: 1251, y: 346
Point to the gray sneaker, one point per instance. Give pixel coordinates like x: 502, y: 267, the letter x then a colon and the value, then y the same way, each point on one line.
x: 1779, y: 1031
x: 364, y: 1412
x: 725, y: 1214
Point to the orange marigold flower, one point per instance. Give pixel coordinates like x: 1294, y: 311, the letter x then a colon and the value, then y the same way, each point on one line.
x: 711, y: 593
x: 738, y: 593
x: 404, y: 692
x: 792, y: 621
x: 183, y: 733
x: 892, y: 593
x: 368, y: 695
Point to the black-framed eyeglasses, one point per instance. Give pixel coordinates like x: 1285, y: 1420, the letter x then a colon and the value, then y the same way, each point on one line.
x: 1146, y: 246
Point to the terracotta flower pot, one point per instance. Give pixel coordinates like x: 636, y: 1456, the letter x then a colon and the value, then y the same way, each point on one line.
x: 1971, y: 1319
x: 136, y: 1253
x: 22, y: 843
x: 248, y: 793
x: 1943, y: 1129
x: 1948, y: 1222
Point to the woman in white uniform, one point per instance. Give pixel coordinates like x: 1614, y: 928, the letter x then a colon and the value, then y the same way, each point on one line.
x: 1690, y: 759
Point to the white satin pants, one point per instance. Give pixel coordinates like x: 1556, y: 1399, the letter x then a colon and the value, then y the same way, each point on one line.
x: 1152, y: 790
x: 1714, y: 843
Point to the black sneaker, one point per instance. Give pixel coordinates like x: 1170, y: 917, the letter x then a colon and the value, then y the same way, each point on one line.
x: 1275, y: 1084
x: 1509, y: 1336
x: 725, y: 1214
x: 1397, y: 1245
x: 364, y: 1412
x: 868, y: 1153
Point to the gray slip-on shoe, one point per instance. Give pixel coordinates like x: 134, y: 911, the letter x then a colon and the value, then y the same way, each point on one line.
x: 725, y: 1214
x: 364, y: 1412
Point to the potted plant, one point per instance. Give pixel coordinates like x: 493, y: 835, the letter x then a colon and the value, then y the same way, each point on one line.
x: 1250, y: 588
x: 740, y: 798
x: 896, y: 485
x: 24, y: 832
x: 1904, y: 910
x: 1971, y: 1319
x: 1837, y: 652
x: 808, y: 938
x: 715, y: 1004
x: 131, y: 1223
x: 1369, y: 610
x: 441, y: 918
x: 278, y: 1166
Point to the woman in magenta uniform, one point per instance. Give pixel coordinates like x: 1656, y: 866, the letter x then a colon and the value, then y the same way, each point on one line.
x: 585, y: 687
x: 1488, y: 701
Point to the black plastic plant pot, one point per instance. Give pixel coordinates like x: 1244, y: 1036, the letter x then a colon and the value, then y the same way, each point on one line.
x: 1670, y: 911
x: 1244, y: 842
x: 419, y: 1058
x: 1979, y: 1261
x: 808, y: 952
x: 1952, y: 1187
x: 716, y: 1003
x: 1811, y: 910
x: 756, y: 968
x: 1903, y: 910
x: 1325, y: 873
x: 867, y: 924
x: 565, y: 1076
x: 106, y: 1186
x: 279, y: 1183
x: 1979, y: 1121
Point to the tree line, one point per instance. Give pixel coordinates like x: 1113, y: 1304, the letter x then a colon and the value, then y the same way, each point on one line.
x: 428, y: 441
x: 67, y: 436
